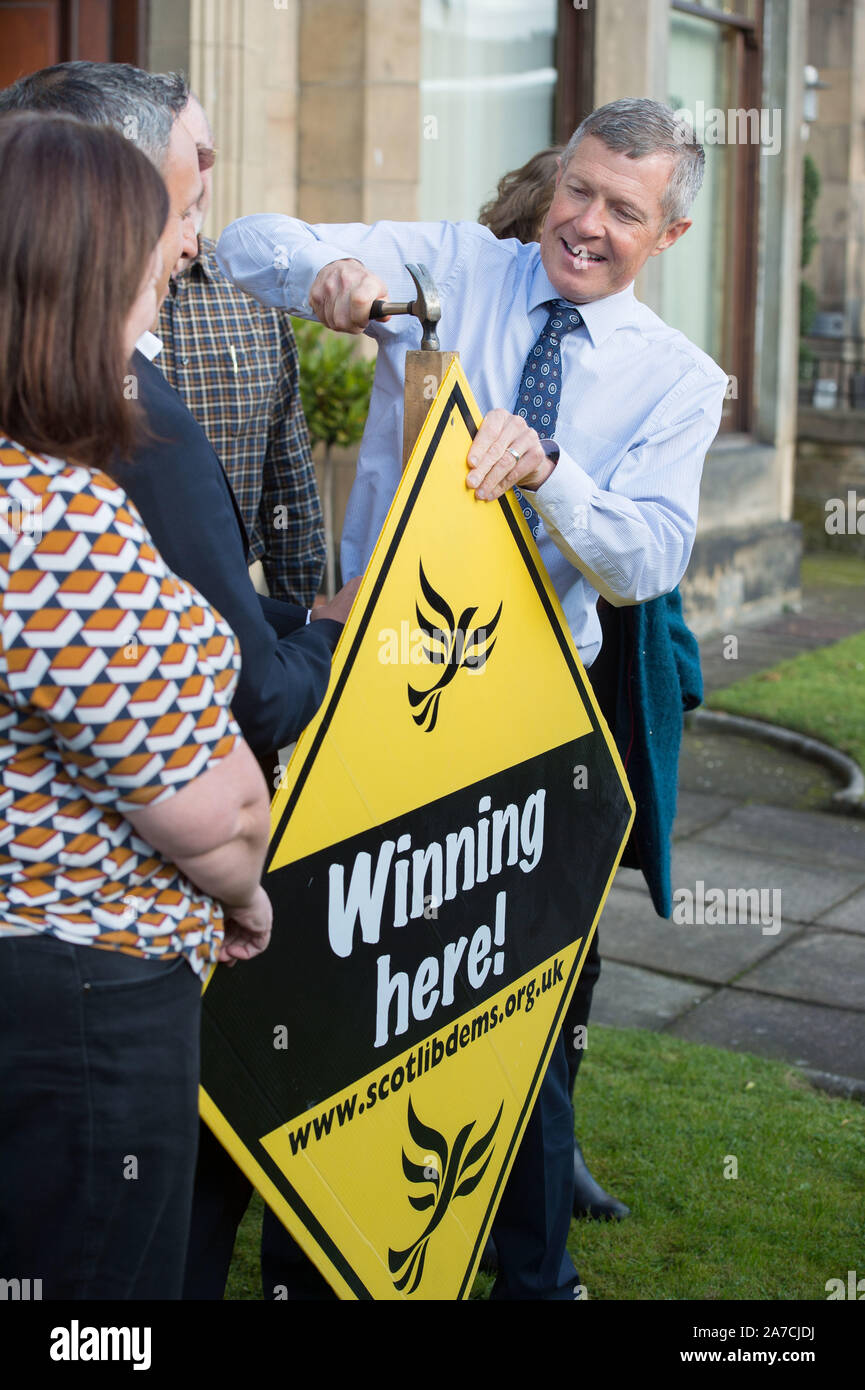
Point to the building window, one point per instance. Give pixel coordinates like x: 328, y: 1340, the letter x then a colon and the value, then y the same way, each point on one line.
x: 488, y: 97
x: 710, y: 275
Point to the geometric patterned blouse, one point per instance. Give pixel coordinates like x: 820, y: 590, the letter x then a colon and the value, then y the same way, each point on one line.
x: 116, y: 680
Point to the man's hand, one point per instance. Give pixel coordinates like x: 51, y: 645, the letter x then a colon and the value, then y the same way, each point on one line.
x: 339, y: 606
x: 504, y: 454
x: 247, y: 929
x: 342, y: 294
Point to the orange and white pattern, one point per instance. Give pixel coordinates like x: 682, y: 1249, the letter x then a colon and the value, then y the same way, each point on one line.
x: 116, y: 680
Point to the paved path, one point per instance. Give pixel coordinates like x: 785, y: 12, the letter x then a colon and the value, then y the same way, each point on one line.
x: 790, y: 985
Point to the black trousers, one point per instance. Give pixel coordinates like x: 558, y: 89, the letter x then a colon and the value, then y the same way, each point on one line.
x: 603, y: 676
x: 577, y: 1015
x: 99, y: 1062
x: 222, y: 1194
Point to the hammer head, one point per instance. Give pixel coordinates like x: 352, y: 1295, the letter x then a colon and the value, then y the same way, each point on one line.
x: 427, y: 306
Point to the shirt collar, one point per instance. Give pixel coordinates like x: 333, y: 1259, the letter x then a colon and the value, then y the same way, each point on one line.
x: 149, y: 345
x: 602, y: 316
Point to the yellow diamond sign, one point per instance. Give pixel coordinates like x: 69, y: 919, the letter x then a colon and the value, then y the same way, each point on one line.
x: 442, y: 845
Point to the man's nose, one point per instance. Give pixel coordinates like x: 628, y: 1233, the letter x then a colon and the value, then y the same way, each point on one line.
x: 590, y: 220
x: 190, y: 239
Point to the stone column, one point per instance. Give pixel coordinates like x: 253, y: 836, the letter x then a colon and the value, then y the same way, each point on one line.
x: 243, y: 65
x: 780, y: 236
x: 836, y: 46
x: 632, y: 41
x: 359, y: 121
x: 168, y: 35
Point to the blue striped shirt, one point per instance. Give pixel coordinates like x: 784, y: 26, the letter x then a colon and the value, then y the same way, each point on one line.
x: 640, y: 404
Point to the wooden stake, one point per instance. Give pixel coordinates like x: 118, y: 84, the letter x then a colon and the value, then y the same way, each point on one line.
x: 424, y: 371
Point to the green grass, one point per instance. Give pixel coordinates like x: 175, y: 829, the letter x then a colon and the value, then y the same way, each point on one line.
x: 657, y: 1118
x: 818, y: 693
x: 244, y: 1277
x: 825, y: 569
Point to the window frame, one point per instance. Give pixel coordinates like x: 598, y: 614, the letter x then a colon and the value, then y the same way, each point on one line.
x: 746, y: 36
x: 575, y: 59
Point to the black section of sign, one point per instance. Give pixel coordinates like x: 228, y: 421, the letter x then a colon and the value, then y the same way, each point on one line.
x: 327, y: 1005
x: 234, y: 1082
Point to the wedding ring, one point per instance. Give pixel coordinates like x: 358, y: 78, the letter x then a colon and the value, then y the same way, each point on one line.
x: 514, y: 454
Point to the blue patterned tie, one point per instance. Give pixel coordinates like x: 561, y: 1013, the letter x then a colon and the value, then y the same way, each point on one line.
x: 538, y: 398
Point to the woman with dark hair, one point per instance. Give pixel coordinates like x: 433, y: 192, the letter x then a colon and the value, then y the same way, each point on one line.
x: 523, y: 198
x: 134, y: 816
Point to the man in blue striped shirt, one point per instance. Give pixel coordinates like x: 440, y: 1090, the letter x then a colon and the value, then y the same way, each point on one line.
x: 614, y: 486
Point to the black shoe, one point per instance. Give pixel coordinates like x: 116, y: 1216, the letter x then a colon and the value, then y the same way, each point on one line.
x: 591, y: 1202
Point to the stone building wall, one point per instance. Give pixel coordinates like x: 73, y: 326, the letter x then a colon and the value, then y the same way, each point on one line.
x: 316, y: 107
x: 836, y: 47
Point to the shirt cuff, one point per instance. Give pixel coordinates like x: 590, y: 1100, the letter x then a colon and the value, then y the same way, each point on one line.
x: 564, y: 497
x: 306, y: 262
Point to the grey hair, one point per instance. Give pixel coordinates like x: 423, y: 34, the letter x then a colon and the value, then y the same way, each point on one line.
x: 637, y: 126
x: 143, y: 106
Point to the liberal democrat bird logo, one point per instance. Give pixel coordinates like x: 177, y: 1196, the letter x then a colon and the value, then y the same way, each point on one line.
x: 455, y: 645
x: 448, y: 1173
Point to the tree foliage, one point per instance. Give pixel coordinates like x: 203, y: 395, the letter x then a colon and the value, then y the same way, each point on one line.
x: 810, y: 194
x: 335, y: 384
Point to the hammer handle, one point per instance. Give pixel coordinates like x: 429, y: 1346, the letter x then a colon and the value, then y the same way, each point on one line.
x: 381, y: 310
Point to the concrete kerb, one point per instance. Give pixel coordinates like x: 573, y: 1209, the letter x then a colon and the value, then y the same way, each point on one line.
x: 849, y: 798
x: 847, y: 1087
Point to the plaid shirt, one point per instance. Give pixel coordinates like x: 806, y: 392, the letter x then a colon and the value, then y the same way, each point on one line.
x: 234, y: 362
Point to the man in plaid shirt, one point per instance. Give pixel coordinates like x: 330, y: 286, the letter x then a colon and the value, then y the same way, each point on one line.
x: 234, y: 362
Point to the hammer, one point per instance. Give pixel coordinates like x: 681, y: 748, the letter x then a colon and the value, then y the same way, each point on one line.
x: 424, y: 369
x: 427, y: 307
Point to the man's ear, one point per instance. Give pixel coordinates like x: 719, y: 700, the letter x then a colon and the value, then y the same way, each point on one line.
x: 672, y: 234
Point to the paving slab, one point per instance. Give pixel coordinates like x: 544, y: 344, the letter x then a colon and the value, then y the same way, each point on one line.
x: 806, y: 892
x: 696, y: 810
x: 809, y: 627
x: 806, y: 836
x: 627, y: 997
x: 818, y: 967
x: 750, y: 769
x: 631, y: 932
x: 831, y: 1040
x: 849, y: 915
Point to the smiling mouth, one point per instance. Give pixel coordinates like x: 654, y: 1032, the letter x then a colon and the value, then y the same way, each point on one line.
x: 582, y: 255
